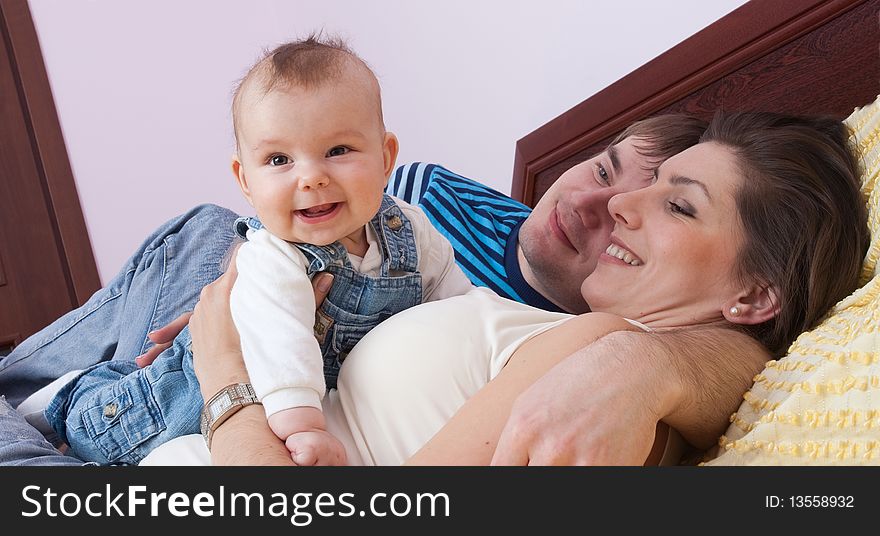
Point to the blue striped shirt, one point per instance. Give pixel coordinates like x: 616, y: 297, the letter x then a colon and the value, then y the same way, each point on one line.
x: 481, y: 223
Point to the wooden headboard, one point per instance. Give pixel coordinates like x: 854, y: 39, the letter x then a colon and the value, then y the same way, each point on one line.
x: 794, y: 56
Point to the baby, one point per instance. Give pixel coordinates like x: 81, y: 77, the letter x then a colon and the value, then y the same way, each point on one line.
x: 313, y: 159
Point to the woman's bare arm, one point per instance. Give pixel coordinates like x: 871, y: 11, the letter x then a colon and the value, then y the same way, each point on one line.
x: 471, y: 436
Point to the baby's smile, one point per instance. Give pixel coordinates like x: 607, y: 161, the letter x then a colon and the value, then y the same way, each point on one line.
x: 319, y: 213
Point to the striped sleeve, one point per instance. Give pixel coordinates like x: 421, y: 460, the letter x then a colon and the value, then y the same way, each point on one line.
x: 475, y: 218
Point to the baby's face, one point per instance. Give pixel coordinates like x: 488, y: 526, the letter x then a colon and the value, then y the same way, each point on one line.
x: 314, y: 162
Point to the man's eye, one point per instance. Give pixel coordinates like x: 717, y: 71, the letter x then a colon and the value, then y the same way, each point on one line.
x: 278, y: 160
x: 603, y: 175
x: 337, y: 151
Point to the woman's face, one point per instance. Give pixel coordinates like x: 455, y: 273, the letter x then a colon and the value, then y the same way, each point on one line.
x: 674, y: 245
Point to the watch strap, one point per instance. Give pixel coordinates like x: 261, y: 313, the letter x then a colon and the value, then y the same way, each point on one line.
x: 225, y: 403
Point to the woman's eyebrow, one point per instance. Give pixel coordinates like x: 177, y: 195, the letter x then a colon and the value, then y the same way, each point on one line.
x: 687, y: 181
x: 684, y: 181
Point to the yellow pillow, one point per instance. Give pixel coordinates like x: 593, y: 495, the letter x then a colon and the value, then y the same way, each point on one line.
x: 820, y: 404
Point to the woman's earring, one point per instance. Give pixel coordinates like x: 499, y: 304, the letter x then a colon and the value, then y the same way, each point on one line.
x: 734, y: 311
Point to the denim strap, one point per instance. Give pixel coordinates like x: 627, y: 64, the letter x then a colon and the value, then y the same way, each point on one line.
x: 396, y: 238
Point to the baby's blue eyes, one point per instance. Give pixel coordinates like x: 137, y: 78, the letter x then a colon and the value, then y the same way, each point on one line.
x: 282, y: 160
x: 337, y: 151
x: 278, y: 160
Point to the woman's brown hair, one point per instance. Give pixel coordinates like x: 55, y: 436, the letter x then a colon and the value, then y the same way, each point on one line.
x: 804, y: 219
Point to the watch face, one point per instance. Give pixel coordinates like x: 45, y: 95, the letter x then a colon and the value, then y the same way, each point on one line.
x: 226, y: 402
x: 219, y: 405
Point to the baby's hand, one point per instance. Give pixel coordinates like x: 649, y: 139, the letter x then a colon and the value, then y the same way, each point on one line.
x: 305, y: 434
x: 317, y: 447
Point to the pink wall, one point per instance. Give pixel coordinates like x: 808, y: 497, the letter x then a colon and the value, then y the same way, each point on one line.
x: 143, y: 88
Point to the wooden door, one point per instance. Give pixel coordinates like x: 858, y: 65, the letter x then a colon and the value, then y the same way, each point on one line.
x: 46, y: 261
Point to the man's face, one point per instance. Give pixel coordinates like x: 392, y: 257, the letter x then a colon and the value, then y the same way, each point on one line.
x: 560, y: 242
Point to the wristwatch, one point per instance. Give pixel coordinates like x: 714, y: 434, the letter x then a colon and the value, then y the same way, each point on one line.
x: 223, y: 405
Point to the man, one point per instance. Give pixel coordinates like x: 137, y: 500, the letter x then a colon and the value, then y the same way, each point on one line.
x: 586, y: 410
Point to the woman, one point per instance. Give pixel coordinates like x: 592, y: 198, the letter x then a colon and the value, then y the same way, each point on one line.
x: 759, y: 228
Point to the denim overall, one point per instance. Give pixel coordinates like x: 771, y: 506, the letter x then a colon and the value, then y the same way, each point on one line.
x: 357, y: 303
x: 117, y: 413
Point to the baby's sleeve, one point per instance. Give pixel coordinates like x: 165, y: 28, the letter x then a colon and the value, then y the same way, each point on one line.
x: 441, y: 276
x: 273, y: 307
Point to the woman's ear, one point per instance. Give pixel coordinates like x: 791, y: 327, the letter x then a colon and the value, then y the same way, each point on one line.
x: 759, y: 304
x: 390, y: 147
x: 238, y: 171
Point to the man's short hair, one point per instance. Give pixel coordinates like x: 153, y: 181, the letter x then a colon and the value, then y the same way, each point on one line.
x: 663, y: 136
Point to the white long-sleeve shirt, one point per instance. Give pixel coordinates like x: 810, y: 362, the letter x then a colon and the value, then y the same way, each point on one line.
x: 273, y: 306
